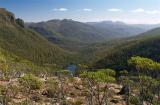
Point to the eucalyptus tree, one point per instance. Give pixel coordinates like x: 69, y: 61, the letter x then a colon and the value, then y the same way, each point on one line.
x: 145, y: 66
x: 148, y: 78
x: 97, y: 85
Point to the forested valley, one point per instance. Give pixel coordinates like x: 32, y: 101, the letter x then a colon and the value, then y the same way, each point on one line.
x: 65, y: 62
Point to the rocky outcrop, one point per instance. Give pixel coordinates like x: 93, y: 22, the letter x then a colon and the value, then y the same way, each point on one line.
x: 6, y: 16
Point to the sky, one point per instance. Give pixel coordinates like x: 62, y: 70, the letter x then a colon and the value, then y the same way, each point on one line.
x: 129, y: 11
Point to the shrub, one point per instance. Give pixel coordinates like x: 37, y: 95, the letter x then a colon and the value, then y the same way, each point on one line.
x: 52, y: 88
x: 50, y: 93
x: 134, y: 100
x: 30, y: 81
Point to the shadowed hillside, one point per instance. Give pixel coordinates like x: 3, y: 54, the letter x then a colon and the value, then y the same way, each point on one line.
x: 146, y: 45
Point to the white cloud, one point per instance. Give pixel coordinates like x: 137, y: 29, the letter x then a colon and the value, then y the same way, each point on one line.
x: 60, y: 9
x: 153, y: 12
x: 139, y: 10
x: 114, y: 10
x: 87, y: 9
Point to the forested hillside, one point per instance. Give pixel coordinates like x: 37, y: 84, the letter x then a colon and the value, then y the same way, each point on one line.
x: 29, y: 45
x: 145, y: 45
x: 73, y: 35
x: 68, y: 30
x: 15, y: 38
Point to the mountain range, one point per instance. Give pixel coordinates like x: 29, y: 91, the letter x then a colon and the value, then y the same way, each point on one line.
x: 119, y: 28
x: 62, y: 42
x: 71, y: 35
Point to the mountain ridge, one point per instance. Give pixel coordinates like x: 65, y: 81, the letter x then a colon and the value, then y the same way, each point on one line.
x: 27, y: 43
x: 62, y: 32
x: 145, y: 45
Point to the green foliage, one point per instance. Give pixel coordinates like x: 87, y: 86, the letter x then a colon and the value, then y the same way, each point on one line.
x: 63, y: 72
x: 145, y: 66
x: 103, y: 75
x: 29, y: 45
x: 145, y: 83
x: 144, y: 63
x: 117, y: 56
x: 52, y: 88
x: 108, y: 72
x: 20, y: 22
x: 30, y: 82
x: 93, y: 80
x: 123, y: 72
x: 134, y: 100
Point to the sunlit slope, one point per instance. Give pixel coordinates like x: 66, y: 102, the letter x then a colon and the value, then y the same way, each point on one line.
x: 26, y: 43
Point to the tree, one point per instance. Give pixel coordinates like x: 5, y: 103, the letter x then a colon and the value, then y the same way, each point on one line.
x: 20, y: 22
x: 145, y: 66
x: 147, y: 72
x: 100, y: 80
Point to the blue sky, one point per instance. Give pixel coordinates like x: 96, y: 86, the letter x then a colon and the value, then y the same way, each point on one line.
x: 130, y: 11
